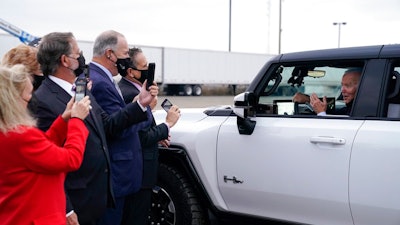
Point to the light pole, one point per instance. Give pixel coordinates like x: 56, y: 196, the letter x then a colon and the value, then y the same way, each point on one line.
x: 280, y: 27
x: 230, y: 24
x: 340, y: 25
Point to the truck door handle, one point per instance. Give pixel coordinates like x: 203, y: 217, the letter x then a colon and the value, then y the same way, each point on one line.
x: 328, y: 140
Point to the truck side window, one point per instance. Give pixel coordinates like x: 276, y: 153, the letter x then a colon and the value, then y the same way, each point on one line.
x: 321, y: 79
x: 393, y: 93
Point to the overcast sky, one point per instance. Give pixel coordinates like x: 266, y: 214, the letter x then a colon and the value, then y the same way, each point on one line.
x: 204, y: 24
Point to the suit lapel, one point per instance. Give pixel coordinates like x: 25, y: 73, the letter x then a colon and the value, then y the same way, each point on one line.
x: 64, y: 97
x: 56, y: 90
x: 129, y: 90
x: 104, y: 76
x: 92, y: 118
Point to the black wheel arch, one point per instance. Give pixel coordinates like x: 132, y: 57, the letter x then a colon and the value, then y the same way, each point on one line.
x: 177, y: 157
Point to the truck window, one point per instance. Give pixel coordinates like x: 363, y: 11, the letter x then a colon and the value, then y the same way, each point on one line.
x: 324, y: 80
x: 393, y: 93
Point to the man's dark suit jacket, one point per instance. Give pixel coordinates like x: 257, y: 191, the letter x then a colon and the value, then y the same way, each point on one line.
x: 125, y: 150
x: 137, y: 205
x: 346, y: 110
x: 149, y: 137
x: 88, y: 189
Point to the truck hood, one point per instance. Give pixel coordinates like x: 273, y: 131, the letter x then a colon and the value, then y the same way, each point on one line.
x: 192, y: 115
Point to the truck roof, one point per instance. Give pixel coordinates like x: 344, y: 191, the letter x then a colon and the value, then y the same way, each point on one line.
x: 363, y: 52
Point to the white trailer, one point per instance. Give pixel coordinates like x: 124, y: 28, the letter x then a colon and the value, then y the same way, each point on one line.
x: 184, y: 71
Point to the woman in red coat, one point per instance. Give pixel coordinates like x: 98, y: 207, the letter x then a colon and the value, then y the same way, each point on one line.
x: 33, y: 164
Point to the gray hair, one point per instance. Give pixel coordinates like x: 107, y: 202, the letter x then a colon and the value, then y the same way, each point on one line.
x: 106, y: 40
x: 354, y: 69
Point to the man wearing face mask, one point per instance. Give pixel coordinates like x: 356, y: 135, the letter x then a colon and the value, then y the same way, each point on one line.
x: 137, y: 205
x: 88, y: 190
x: 110, y: 58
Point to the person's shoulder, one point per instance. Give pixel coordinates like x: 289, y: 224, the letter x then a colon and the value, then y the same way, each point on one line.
x: 341, y: 111
x: 23, y: 132
x: 124, y: 82
x: 46, y: 86
x: 95, y: 72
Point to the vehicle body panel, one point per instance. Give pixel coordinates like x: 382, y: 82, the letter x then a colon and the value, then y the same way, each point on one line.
x: 200, y: 141
x: 374, y: 187
x: 284, y: 174
x: 300, y: 167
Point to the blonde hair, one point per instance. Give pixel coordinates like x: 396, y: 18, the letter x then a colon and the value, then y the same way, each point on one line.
x: 13, y: 114
x: 22, y: 54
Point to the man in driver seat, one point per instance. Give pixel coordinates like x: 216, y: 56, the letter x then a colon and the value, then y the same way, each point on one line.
x: 350, y: 81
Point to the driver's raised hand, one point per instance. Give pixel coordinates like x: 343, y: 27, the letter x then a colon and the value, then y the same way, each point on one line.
x: 318, y: 105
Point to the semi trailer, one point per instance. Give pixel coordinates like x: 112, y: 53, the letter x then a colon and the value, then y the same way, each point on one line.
x: 178, y: 71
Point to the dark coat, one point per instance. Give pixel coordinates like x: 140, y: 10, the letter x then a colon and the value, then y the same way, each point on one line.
x: 88, y: 189
x: 149, y: 138
x: 125, y: 150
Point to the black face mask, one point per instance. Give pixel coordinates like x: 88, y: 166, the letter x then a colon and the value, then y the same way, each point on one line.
x: 37, y: 81
x: 123, y: 65
x: 143, y: 76
x: 82, y: 65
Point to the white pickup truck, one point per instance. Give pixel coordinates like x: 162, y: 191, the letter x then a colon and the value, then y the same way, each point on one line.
x: 266, y: 158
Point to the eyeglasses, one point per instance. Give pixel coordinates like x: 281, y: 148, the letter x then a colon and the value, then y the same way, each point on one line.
x: 80, y: 53
x: 137, y: 69
x: 134, y: 68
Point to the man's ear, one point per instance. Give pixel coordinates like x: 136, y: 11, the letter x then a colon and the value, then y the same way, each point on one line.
x: 64, y: 60
x: 108, y: 53
x: 130, y: 73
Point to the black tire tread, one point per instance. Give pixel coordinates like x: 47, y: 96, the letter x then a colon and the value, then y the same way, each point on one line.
x: 189, y: 211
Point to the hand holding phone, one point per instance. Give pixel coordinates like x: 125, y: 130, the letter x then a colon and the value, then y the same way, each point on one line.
x: 172, y: 115
x: 80, y: 88
x: 150, y: 75
x: 166, y: 105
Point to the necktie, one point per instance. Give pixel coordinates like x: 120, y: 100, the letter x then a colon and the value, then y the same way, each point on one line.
x: 117, y: 87
x: 73, y: 89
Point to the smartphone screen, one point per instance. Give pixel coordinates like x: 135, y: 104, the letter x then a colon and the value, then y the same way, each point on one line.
x: 166, y: 105
x: 80, y: 90
x: 150, y: 75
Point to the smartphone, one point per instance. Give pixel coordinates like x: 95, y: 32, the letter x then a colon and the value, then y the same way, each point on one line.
x: 166, y: 105
x: 80, y: 90
x: 150, y: 75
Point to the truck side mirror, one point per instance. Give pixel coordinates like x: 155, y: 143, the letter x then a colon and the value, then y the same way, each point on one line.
x: 244, y: 108
x: 244, y: 104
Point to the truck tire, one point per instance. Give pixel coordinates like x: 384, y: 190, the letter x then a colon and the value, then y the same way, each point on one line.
x: 197, y: 90
x: 173, y: 200
x: 187, y: 90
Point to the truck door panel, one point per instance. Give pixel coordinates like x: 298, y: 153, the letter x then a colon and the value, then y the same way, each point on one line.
x: 374, y: 189
x: 285, y: 172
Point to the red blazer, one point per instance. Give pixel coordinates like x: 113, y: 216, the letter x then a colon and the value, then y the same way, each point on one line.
x: 32, y: 172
